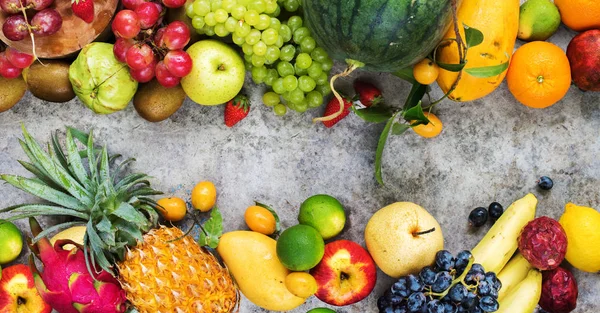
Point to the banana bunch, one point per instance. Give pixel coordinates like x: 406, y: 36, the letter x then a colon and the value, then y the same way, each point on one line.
x: 521, y: 283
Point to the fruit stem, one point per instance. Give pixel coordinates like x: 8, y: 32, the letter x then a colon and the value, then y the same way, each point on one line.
x: 352, y: 66
x: 30, y: 35
x: 415, y: 234
x: 459, y: 279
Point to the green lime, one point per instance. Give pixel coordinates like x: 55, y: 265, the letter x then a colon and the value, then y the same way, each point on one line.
x: 321, y: 310
x: 11, y: 242
x: 324, y: 213
x: 300, y: 248
x: 538, y: 20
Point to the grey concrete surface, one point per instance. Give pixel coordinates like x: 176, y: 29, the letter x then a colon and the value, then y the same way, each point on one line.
x: 492, y: 149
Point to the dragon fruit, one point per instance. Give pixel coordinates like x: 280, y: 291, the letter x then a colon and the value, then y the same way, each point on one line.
x: 66, y: 283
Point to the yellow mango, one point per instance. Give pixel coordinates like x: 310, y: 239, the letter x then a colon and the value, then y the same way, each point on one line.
x: 252, y: 260
x: 499, y: 23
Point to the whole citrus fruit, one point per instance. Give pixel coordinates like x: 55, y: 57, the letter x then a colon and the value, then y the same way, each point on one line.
x: 539, y: 74
x: 579, y: 15
x: 301, y: 284
x: 431, y: 129
x: 11, y: 242
x: 75, y: 233
x: 538, y: 20
x: 581, y: 225
x: 204, y: 196
x: 260, y: 220
x: 300, y: 248
x: 324, y: 213
x: 426, y: 72
x: 172, y: 209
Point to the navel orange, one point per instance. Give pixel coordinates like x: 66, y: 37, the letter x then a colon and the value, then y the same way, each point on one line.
x: 579, y: 15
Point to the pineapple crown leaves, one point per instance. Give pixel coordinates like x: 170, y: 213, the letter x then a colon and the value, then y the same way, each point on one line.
x: 80, y: 184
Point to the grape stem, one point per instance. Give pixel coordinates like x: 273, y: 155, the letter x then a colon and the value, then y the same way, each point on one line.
x: 459, y: 279
x: 352, y: 66
x: 30, y: 35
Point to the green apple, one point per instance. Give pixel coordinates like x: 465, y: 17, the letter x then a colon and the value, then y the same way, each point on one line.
x: 217, y: 74
x: 11, y: 242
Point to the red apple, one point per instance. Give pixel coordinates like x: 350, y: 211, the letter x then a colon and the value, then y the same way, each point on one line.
x: 18, y: 292
x: 346, y: 274
x: 584, y: 57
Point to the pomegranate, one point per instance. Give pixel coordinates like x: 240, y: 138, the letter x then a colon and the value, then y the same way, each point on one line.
x: 543, y: 242
x: 559, y: 291
x: 584, y: 56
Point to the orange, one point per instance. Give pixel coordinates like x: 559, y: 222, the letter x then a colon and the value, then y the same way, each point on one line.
x: 426, y: 72
x: 172, y: 209
x: 204, y: 196
x: 539, y: 74
x: 260, y: 220
x: 579, y: 15
x: 431, y: 129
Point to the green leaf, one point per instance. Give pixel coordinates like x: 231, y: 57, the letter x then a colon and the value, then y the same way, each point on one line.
x: 373, y: 114
x: 277, y: 223
x: 79, y: 135
x: 75, y: 163
x: 97, y: 246
x: 120, y: 167
x: 58, y: 151
x: 487, y: 71
x: 452, y: 67
x: 127, y: 231
x: 33, y: 210
x: 399, y: 129
x: 415, y: 95
x: 416, y: 114
x: 127, y: 212
x: 104, y: 166
x: 406, y: 74
x: 145, y: 191
x: 380, y: 145
x: 91, y: 157
x: 45, y: 192
x: 105, y: 225
x: 54, y: 228
x: 41, y: 175
x: 212, y: 229
x: 473, y: 36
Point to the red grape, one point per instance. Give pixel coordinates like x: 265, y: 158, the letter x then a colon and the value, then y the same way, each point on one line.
x: 120, y: 48
x: 159, y: 36
x: 139, y: 56
x: 165, y: 77
x: 7, y: 70
x: 178, y: 62
x: 38, y: 5
x: 173, y: 4
x: 18, y: 58
x: 46, y: 22
x: 144, y: 75
x: 148, y: 14
x: 132, y: 4
x: 126, y: 24
x: 11, y: 6
x: 176, y: 36
x: 15, y: 28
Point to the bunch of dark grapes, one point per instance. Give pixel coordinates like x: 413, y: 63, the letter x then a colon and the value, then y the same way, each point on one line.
x: 452, y: 285
x: 13, y: 61
x: 149, y: 48
x: 44, y: 22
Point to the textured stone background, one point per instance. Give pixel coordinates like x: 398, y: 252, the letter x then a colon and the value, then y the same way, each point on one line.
x: 492, y: 149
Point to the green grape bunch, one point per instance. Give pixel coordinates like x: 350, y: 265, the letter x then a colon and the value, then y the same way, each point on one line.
x: 278, y: 49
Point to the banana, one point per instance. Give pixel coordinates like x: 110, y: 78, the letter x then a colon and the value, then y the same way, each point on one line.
x: 524, y: 297
x: 500, y: 243
x: 513, y: 273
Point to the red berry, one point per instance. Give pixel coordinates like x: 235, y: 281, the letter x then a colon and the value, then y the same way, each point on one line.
x: 18, y: 58
x: 15, y: 28
x: 84, y: 9
x: 236, y: 110
x: 126, y: 24
x: 543, y: 242
x: 11, y: 6
x: 38, y: 5
x: 176, y: 35
x: 559, y: 291
x: 178, y: 62
x: 334, y: 106
x: 46, y: 22
x: 7, y: 70
x: 159, y: 36
x: 120, y: 48
x: 132, y: 4
x: 164, y: 77
x: 148, y: 14
x: 173, y: 4
x: 139, y: 56
x: 368, y: 94
x: 144, y: 75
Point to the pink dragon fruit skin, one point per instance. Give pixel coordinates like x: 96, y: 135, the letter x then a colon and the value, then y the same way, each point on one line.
x: 67, y: 285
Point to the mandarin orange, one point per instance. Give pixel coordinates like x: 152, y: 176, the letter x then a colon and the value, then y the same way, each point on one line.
x: 579, y: 15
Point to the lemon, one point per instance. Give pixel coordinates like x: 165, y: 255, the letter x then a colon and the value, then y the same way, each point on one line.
x: 300, y: 248
x: 301, y: 284
x: 581, y: 225
x: 325, y: 213
x: 11, y: 242
x: 75, y: 233
x: 538, y: 20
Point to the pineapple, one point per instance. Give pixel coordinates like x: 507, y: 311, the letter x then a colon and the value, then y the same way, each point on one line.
x: 161, y: 269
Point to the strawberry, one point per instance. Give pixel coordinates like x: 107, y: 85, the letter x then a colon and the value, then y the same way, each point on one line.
x: 332, y: 107
x: 368, y: 94
x: 84, y: 9
x: 236, y: 110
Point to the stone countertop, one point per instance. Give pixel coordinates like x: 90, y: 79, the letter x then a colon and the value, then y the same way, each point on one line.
x: 492, y: 149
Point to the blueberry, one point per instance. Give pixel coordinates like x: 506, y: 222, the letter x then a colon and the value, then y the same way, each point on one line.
x: 545, y: 183
x: 462, y: 259
x: 478, y: 217
x: 414, y: 283
x: 488, y: 304
x: 444, y: 260
x: 435, y: 306
x: 495, y: 210
x: 416, y: 302
x: 427, y: 275
x: 443, y: 280
x: 400, y: 287
x: 457, y: 293
x: 469, y: 301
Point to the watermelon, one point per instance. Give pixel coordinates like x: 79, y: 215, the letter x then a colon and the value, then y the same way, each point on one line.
x: 384, y: 35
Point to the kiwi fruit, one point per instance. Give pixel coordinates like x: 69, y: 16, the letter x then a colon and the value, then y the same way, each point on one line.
x: 49, y: 80
x: 155, y: 103
x: 11, y: 91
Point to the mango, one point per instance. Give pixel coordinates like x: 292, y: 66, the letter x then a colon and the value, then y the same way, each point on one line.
x: 252, y: 260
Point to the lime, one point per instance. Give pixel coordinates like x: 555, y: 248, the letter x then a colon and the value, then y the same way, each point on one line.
x: 581, y: 226
x: 300, y: 248
x: 321, y: 310
x: 323, y: 212
x: 538, y: 20
x: 11, y: 242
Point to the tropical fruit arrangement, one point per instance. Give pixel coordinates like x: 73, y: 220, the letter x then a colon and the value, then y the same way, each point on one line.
x: 118, y: 251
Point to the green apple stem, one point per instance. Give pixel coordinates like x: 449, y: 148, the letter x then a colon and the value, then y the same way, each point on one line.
x: 459, y: 279
x: 424, y: 232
